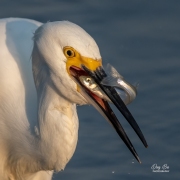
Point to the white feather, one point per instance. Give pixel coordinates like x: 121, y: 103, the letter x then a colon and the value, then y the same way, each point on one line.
x: 38, y: 131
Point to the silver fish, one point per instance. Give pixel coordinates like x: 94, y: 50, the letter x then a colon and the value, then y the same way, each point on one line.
x: 90, y: 84
x: 126, y: 91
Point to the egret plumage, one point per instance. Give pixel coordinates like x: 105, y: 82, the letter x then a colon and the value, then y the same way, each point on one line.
x: 40, y: 70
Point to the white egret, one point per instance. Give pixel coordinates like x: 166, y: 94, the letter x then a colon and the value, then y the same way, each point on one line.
x: 38, y: 97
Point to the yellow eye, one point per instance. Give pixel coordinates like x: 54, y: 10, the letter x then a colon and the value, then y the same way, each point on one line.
x: 69, y: 53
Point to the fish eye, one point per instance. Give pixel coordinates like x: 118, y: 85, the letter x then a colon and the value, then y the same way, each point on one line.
x: 69, y: 53
x: 88, y: 80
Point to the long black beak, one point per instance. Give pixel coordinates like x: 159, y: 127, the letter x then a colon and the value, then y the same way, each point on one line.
x: 104, y: 108
x: 98, y: 76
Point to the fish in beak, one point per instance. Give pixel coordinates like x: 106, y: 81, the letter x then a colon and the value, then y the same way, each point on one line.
x: 99, y: 96
x: 91, y: 80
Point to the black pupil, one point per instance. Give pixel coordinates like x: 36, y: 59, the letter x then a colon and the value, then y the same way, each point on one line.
x: 69, y: 53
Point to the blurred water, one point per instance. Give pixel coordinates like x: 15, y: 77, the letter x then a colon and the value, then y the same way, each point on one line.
x: 142, y: 40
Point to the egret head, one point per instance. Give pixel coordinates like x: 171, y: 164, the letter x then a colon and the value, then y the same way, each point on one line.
x: 64, y: 55
x: 58, y: 46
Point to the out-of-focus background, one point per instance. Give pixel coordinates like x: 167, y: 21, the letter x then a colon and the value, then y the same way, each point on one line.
x: 142, y: 40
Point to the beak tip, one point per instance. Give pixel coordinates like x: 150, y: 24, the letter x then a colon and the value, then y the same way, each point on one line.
x: 138, y: 160
x: 145, y: 144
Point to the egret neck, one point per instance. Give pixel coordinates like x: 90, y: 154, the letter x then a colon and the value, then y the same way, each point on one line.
x: 58, y: 117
